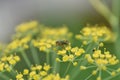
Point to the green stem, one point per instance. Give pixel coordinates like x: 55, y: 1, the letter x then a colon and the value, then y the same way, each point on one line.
x: 101, y: 8
x: 56, y: 64
x: 34, y: 54
x: 111, y: 17
x: 115, y: 24
x: 67, y: 68
x: 74, y: 70
x: 25, y: 58
x: 48, y: 57
x: 88, y: 77
x: 109, y: 78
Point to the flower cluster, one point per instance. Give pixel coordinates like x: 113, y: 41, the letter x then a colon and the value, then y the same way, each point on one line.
x: 38, y: 72
x: 7, y: 62
x: 26, y: 29
x: 47, y: 38
x: 26, y: 26
x: 70, y: 54
x: 95, y: 34
x: 55, y: 77
x: 18, y: 43
x: 56, y: 33
x: 101, y: 62
x: 32, y: 39
x: 44, y: 44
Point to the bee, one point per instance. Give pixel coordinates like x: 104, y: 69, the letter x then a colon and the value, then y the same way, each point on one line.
x: 62, y: 43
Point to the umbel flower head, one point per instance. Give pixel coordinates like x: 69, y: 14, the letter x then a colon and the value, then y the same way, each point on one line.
x: 32, y: 40
x: 95, y: 34
x: 47, y: 38
x: 8, y: 62
x: 101, y: 62
x: 39, y: 72
x: 27, y: 29
x: 18, y: 43
x: 44, y: 44
x: 70, y: 54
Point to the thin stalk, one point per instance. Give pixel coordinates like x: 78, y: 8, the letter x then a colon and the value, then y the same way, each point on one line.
x: 48, y: 57
x: 115, y: 24
x: 89, y: 48
x: 111, y: 17
x: 25, y: 58
x: 68, y: 67
x: 101, y: 8
x: 88, y: 77
x: 34, y: 54
x: 110, y: 77
x: 55, y: 63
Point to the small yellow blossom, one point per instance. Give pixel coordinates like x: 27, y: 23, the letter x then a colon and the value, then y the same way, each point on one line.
x: 19, y: 76
x: 55, y: 77
x: 46, y: 67
x: 43, y: 73
x: 26, y: 71
x: 83, y: 67
x: 94, y: 72
x: 99, y: 78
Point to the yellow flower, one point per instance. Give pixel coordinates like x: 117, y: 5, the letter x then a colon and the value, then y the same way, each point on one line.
x: 12, y: 62
x: 32, y: 73
x: 26, y: 71
x: 101, y: 60
x: 16, y: 58
x: 70, y: 54
x: 62, y: 52
x: 65, y: 58
x: 26, y: 26
x: 113, y: 73
x: 7, y: 62
x: 94, y: 72
x: 43, y: 73
x: 46, y: 67
x: 19, y: 76
x: 99, y: 78
x: 1, y: 66
x: 55, y: 77
x: 83, y: 67
x: 95, y: 34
